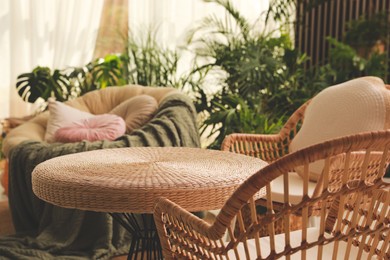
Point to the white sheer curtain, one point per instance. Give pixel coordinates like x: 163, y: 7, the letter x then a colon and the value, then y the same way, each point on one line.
x: 52, y: 33
x: 174, y: 17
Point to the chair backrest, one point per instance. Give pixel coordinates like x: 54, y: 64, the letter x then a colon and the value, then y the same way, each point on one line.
x: 357, y: 215
x: 330, y: 114
x: 355, y: 106
x: 268, y: 147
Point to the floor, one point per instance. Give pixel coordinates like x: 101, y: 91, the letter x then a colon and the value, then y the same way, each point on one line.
x: 2, y: 195
x: 6, y: 227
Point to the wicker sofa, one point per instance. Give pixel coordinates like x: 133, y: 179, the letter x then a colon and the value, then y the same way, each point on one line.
x: 95, y: 102
x: 48, y: 231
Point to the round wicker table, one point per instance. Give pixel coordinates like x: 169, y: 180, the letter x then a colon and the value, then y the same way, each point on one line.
x: 125, y: 181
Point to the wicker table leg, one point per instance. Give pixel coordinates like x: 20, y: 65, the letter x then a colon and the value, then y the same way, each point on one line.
x: 145, y: 243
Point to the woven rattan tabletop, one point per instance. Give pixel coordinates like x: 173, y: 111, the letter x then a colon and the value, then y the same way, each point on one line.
x: 131, y: 179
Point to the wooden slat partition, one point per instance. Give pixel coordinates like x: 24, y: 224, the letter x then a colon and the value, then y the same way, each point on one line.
x: 330, y: 19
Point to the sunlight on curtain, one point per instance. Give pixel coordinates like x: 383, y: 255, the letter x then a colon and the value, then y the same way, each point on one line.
x: 52, y: 33
x: 174, y: 18
x: 5, y: 81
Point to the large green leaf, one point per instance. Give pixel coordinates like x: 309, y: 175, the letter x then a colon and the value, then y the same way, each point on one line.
x: 36, y: 84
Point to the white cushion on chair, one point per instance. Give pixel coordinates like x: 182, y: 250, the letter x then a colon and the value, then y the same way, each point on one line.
x: 352, y: 107
x: 296, y: 238
x: 295, y: 188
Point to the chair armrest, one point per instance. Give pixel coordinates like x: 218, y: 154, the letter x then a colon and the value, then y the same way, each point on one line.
x: 268, y: 147
x: 33, y: 129
x: 181, y: 224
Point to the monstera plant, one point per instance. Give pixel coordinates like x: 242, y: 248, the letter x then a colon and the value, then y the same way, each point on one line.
x: 259, y: 77
x: 71, y: 82
x: 41, y: 83
x: 145, y: 62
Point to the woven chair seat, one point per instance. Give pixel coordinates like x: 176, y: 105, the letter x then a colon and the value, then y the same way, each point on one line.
x: 330, y: 114
x: 296, y: 238
x: 354, y: 222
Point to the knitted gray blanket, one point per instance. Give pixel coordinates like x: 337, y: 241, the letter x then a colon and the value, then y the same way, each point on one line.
x: 45, y: 231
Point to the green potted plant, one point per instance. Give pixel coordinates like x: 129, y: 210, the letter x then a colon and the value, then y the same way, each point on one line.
x: 259, y: 77
x: 144, y: 62
x: 346, y: 63
x: 368, y: 34
x: 64, y: 84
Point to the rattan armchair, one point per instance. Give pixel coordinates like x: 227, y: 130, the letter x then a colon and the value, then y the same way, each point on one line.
x: 269, y: 147
x: 356, y: 225
x: 339, y: 107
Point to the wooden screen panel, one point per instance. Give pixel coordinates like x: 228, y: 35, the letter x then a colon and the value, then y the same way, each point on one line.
x: 329, y: 19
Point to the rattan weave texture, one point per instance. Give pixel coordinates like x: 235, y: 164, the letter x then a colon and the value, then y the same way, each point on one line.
x: 131, y: 179
x: 356, y: 224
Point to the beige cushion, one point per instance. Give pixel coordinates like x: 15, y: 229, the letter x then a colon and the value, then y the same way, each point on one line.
x: 337, y: 164
x: 94, y: 102
x: 295, y: 188
x: 62, y: 115
x: 296, y: 238
x: 355, y: 106
x: 136, y: 111
x: 104, y: 100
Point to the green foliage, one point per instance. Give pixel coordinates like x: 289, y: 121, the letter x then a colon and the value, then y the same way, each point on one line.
x: 41, y: 83
x: 70, y: 82
x: 242, y: 79
x: 368, y: 31
x: 108, y: 71
x: 150, y: 64
x: 299, y: 85
x: 280, y: 10
x: 234, y: 115
x: 144, y: 62
x: 346, y: 64
x: 261, y: 77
